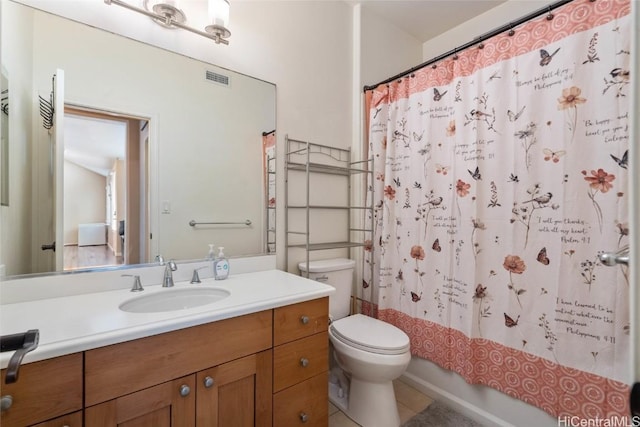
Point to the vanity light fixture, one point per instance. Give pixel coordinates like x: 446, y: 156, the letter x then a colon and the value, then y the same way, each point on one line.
x: 168, y: 14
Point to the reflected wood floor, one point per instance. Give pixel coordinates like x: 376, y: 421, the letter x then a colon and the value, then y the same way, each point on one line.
x: 89, y: 256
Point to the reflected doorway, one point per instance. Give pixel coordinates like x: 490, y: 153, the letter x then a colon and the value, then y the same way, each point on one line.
x: 105, y: 189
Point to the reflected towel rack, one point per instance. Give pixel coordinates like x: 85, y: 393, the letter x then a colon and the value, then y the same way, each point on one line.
x: 193, y: 223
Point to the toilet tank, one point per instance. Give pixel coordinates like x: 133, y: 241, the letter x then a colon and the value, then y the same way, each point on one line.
x: 336, y: 272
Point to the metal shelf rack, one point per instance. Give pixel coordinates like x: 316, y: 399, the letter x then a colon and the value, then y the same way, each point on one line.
x: 312, y: 158
x: 270, y: 204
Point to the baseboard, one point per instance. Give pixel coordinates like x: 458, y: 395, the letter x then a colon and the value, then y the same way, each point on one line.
x: 436, y: 393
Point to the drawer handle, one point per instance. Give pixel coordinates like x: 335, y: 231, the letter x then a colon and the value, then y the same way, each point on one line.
x: 184, y: 390
x: 5, y: 402
x: 304, y: 362
x: 304, y: 417
x: 304, y: 320
x: 208, y: 382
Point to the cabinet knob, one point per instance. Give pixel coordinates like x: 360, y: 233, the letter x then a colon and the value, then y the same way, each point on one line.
x: 304, y: 320
x: 304, y: 362
x: 208, y: 382
x: 5, y: 402
x: 184, y: 390
x: 304, y: 417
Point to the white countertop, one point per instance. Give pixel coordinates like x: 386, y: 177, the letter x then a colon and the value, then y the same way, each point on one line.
x: 76, y: 323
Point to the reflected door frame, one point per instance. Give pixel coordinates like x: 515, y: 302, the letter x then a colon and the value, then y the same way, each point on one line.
x: 137, y: 177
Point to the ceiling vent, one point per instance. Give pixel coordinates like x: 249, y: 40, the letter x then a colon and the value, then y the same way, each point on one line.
x: 214, y: 77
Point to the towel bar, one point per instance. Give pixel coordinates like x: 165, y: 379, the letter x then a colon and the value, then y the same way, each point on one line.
x: 193, y: 223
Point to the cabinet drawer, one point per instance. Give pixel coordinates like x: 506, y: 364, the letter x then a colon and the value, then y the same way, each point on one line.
x: 305, y: 404
x: 300, y: 320
x: 44, y: 390
x: 299, y: 360
x: 70, y: 420
x: 120, y: 369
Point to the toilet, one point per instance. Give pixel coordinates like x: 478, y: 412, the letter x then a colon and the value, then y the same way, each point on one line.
x: 368, y: 354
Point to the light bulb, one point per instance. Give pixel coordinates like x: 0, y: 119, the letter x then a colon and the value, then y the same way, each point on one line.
x: 219, y: 13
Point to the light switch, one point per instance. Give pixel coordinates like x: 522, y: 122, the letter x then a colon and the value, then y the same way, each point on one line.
x: 166, y: 207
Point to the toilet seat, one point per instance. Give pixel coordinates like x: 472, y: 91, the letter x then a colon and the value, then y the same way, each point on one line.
x: 371, y: 335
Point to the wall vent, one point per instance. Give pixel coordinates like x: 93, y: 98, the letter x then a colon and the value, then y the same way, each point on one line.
x: 217, y: 78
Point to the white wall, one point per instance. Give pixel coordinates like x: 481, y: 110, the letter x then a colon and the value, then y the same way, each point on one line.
x: 386, y: 50
x: 481, y: 24
x: 15, y: 219
x: 84, y: 200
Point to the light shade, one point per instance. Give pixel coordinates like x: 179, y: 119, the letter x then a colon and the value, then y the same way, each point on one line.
x: 219, y: 13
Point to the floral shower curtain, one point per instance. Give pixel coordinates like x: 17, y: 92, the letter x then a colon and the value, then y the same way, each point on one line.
x: 500, y: 174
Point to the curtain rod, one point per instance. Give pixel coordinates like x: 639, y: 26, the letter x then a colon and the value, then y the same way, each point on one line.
x: 479, y: 39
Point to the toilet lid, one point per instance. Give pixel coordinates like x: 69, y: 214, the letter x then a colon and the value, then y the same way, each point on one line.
x: 369, y: 334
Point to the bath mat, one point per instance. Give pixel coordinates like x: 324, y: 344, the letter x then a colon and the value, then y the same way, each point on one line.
x: 439, y: 415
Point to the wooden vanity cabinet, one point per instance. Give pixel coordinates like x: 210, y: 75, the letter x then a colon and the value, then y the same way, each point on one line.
x: 301, y: 364
x: 214, y: 374
x: 266, y: 369
x: 46, y: 392
x: 237, y: 393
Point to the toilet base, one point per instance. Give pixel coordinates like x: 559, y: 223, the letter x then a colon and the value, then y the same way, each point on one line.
x: 338, y: 389
x: 368, y: 404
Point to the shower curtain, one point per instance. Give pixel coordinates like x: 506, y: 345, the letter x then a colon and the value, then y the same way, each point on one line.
x: 500, y: 174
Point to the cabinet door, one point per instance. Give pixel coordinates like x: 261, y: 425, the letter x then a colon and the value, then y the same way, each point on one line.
x: 236, y: 393
x: 170, y: 404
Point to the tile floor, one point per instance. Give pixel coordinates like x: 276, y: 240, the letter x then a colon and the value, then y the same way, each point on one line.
x: 410, y: 402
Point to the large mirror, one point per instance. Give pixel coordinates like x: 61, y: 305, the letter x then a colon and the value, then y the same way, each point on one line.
x: 144, y: 143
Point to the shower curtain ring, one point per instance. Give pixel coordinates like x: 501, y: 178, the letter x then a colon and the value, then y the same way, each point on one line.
x: 455, y: 53
x: 511, y: 31
x: 549, y: 14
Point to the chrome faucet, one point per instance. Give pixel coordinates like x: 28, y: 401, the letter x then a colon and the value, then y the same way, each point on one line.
x: 167, y: 282
x: 137, y: 284
x: 160, y: 259
x: 195, y: 278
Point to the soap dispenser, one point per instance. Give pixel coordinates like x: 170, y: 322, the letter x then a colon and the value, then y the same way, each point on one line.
x: 212, y: 253
x: 221, y: 266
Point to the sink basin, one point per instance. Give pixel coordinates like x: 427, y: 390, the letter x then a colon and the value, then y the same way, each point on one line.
x: 174, y: 299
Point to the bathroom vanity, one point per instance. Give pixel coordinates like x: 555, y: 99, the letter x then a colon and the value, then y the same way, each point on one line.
x: 258, y: 357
